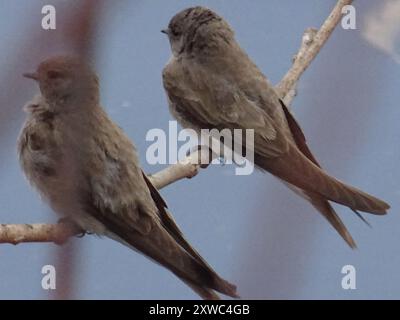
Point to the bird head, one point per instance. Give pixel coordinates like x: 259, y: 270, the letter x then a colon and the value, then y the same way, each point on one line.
x: 197, y: 29
x: 63, y: 78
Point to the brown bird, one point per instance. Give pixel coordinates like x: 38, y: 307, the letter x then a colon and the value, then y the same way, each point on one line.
x: 212, y: 83
x: 84, y: 165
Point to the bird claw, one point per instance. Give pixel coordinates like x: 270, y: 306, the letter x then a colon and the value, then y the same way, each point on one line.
x: 73, y: 225
x: 200, y: 149
x: 81, y: 235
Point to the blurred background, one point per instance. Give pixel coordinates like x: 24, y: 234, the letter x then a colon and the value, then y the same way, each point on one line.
x: 252, y: 229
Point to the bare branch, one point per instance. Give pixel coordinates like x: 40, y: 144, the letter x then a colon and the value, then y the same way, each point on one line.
x: 306, y: 41
x: 186, y: 168
x: 309, y: 52
x: 40, y: 232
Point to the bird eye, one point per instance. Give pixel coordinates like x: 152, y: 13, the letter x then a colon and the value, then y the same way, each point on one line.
x: 175, y: 33
x: 54, y: 74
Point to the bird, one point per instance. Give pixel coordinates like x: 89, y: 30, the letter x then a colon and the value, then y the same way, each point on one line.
x: 211, y: 83
x: 87, y: 169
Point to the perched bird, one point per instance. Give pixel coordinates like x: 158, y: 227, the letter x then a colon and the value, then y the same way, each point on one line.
x: 87, y: 169
x: 211, y: 83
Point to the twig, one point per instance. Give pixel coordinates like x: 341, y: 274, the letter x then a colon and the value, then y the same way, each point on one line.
x: 40, y: 232
x: 312, y: 42
x: 288, y: 95
x: 186, y: 168
x: 303, y: 61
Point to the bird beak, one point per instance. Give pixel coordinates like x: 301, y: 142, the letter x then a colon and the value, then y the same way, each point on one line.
x: 165, y: 31
x: 33, y: 76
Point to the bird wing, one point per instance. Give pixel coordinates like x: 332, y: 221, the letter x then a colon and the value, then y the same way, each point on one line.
x: 298, y: 134
x: 172, y: 228
x: 170, y: 225
x: 227, y: 97
x: 318, y: 201
x: 247, y: 109
x: 131, y: 208
x: 209, y: 101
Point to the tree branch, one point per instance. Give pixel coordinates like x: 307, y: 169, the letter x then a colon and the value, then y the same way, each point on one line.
x: 188, y: 168
x: 40, y: 232
x: 287, y: 89
x: 312, y: 42
x: 306, y: 56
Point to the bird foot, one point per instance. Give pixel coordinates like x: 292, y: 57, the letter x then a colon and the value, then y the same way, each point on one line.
x: 71, y: 224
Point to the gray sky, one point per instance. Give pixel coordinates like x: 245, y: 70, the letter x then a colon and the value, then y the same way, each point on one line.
x: 251, y: 229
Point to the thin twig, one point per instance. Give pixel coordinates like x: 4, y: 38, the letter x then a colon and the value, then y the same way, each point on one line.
x: 186, y: 168
x: 306, y: 41
x: 39, y: 232
x: 303, y: 61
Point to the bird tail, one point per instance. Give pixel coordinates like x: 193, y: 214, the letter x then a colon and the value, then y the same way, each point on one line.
x: 159, y: 246
x: 295, y: 168
x: 170, y: 226
x: 325, y: 208
x: 314, y: 178
x: 203, y: 292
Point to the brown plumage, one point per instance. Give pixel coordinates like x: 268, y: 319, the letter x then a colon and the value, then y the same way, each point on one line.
x: 212, y: 83
x: 88, y: 170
